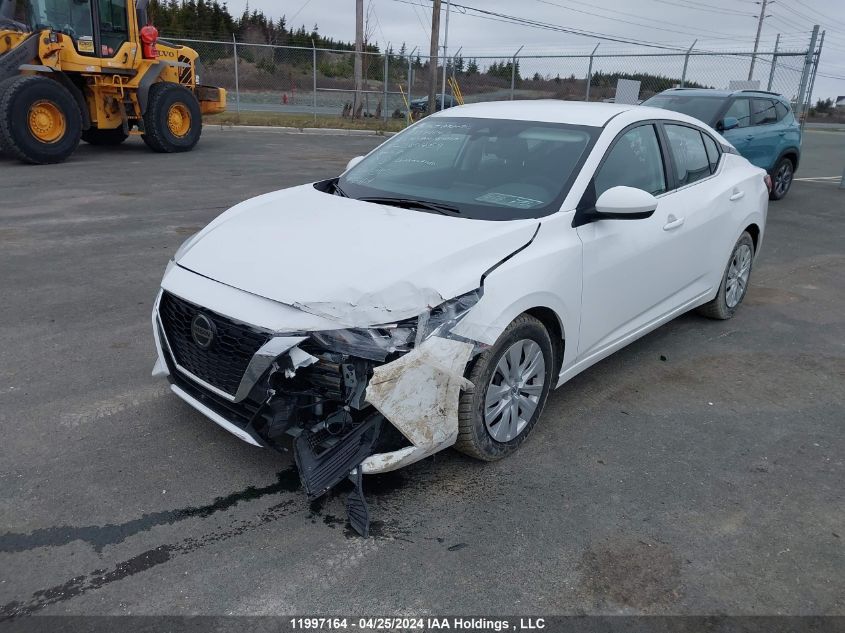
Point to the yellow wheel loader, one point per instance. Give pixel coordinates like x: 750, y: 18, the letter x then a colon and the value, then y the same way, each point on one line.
x: 95, y: 70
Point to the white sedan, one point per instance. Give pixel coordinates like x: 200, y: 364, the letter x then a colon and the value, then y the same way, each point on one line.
x: 433, y: 294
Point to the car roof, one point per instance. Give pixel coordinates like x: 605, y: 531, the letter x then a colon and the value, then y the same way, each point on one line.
x: 592, y: 114
x: 711, y: 92
x: 546, y: 110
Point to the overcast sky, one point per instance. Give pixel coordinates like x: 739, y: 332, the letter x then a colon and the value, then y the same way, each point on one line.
x: 717, y: 24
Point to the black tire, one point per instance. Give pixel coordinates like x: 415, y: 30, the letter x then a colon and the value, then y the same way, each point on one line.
x: 20, y: 97
x: 782, y: 176
x: 719, y: 307
x: 474, y: 438
x: 158, y: 135
x: 96, y: 136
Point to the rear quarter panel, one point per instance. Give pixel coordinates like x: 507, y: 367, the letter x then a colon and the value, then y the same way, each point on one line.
x: 751, y: 209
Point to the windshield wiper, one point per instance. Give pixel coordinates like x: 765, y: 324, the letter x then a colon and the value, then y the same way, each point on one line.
x: 338, y: 190
x: 410, y: 203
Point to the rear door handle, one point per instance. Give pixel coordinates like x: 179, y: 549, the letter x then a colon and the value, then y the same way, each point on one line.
x: 750, y: 137
x: 673, y: 223
x: 736, y: 195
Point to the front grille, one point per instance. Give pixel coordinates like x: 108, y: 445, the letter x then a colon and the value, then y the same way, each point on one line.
x: 224, y: 363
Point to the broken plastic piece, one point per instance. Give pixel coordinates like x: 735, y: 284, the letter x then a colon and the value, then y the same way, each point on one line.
x: 357, y: 510
x: 319, y: 472
x: 419, y: 392
x: 295, y: 359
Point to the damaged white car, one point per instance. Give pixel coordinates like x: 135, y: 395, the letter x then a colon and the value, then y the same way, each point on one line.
x: 433, y: 294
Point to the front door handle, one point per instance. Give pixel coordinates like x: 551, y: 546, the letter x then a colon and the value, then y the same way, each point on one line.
x: 736, y: 195
x: 673, y: 223
x: 750, y: 137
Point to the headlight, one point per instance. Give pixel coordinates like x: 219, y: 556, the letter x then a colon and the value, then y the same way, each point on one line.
x: 379, y: 342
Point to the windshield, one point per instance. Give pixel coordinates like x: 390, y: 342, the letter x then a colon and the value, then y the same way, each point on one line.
x: 490, y: 169
x: 703, y: 108
x: 72, y: 17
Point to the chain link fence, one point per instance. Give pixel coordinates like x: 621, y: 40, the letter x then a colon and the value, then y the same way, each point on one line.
x: 321, y: 82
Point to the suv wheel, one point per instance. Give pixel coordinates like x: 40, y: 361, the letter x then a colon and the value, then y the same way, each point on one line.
x: 782, y: 178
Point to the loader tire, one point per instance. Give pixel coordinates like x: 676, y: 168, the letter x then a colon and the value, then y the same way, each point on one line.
x: 94, y: 136
x: 173, y: 121
x: 40, y: 121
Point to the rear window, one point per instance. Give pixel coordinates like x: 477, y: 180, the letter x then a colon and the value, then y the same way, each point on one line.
x: 689, y: 154
x: 703, y: 108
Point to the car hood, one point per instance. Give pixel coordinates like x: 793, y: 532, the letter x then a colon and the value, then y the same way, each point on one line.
x: 357, y: 263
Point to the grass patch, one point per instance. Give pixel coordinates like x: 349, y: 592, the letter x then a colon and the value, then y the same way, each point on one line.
x: 303, y: 121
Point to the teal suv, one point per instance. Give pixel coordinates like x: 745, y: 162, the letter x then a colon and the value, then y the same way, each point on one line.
x: 760, y: 124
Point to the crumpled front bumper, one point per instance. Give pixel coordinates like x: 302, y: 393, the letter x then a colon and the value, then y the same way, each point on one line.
x: 418, y: 394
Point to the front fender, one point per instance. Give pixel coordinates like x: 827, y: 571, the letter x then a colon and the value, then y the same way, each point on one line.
x: 546, y: 274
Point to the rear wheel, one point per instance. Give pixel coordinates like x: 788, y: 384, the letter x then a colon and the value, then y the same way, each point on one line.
x: 782, y: 176
x: 173, y: 121
x: 95, y: 136
x: 512, y: 381
x: 40, y: 122
x: 735, y: 281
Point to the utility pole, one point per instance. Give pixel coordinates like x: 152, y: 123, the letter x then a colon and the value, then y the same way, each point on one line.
x: 359, y: 49
x: 445, y: 54
x: 432, y: 61
x: 757, y: 39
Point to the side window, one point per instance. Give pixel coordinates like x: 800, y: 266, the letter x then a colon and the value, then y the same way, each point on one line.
x: 741, y: 110
x: 690, y: 157
x: 782, y: 109
x: 634, y: 161
x: 763, y: 112
x: 712, y: 152
x: 113, y: 26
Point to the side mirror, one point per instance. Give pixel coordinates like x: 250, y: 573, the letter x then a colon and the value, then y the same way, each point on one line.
x: 353, y: 162
x: 625, y: 203
x: 728, y: 123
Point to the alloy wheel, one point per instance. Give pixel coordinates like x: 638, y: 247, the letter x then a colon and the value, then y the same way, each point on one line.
x: 738, y: 273
x: 783, y: 178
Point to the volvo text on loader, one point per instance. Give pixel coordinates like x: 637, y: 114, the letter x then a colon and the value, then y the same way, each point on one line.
x: 95, y: 70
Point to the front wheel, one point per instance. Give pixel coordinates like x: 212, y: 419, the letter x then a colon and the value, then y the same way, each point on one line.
x: 512, y: 381
x: 782, y: 176
x: 734, y: 281
x: 40, y: 121
x: 173, y: 120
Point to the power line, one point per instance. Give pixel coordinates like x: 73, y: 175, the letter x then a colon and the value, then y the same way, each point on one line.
x: 705, y: 9
x: 640, y: 24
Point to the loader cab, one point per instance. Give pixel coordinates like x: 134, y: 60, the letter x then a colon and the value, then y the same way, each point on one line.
x: 98, y: 28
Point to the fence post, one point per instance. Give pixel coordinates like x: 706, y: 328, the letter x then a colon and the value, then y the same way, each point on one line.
x: 686, y: 63
x: 774, y: 63
x: 237, y: 83
x: 411, y: 74
x: 386, y: 71
x: 590, y: 72
x: 314, y: 79
x: 813, y: 76
x: 803, y: 99
x: 513, y: 69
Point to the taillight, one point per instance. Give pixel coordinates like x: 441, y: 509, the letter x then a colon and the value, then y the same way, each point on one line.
x: 149, y: 37
x: 768, y: 180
